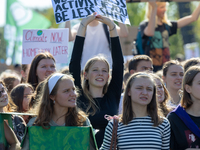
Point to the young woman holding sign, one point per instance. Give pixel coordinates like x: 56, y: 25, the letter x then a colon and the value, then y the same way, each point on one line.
x: 57, y: 105
x: 13, y: 138
x: 99, y: 95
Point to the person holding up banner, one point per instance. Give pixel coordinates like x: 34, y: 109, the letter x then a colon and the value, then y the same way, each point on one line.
x: 185, y: 119
x: 57, y: 105
x: 13, y: 138
x: 101, y: 44
x: 157, y: 29
x: 99, y: 94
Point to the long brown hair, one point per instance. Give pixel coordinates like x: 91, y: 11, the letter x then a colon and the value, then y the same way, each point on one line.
x: 32, y: 78
x: 188, y: 78
x: 152, y: 107
x: 163, y: 105
x: 73, y: 117
x: 85, y: 83
x: 17, y: 95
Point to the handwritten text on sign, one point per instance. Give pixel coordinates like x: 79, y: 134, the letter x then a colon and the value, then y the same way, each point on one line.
x: 65, y: 10
x: 55, y: 41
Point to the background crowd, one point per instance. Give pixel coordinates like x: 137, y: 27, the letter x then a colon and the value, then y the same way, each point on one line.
x: 156, y: 99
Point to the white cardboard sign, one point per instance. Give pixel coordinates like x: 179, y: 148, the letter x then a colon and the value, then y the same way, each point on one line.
x: 55, y: 41
x: 65, y: 10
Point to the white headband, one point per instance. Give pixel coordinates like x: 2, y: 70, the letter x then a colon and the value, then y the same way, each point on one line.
x: 53, y: 80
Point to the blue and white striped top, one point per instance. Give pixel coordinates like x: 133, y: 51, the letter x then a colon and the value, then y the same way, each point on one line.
x: 139, y: 134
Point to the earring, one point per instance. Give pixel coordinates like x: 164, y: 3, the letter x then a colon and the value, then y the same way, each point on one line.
x: 54, y: 102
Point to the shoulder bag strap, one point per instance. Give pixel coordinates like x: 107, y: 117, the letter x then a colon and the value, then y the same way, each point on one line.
x: 114, y: 134
x: 182, y: 114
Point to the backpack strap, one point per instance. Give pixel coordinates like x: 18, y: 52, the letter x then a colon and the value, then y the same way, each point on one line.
x: 183, y: 115
x: 167, y: 28
x: 107, y: 34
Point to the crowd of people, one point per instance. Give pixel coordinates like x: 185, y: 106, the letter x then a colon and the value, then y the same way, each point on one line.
x: 155, y: 101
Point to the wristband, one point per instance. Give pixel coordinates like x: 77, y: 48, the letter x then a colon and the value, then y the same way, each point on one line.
x: 113, y: 28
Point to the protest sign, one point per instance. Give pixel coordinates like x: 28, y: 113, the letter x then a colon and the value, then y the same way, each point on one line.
x: 6, y: 116
x: 73, y: 9
x: 130, y: 1
x: 3, y: 142
x: 54, y: 41
x: 61, y: 137
x: 113, y: 9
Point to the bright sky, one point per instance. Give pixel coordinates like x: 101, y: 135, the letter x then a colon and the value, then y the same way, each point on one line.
x: 40, y: 4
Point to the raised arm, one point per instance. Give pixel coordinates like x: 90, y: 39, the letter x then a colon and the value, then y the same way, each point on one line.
x: 11, y: 137
x: 72, y: 33
x: 122, y: 30
x: 189, y: 19
x: 111, y: 25
x: 75, y: 62
x: 150, y: 29
x: 117, y: 58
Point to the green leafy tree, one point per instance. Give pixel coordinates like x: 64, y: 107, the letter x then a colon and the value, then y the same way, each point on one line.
x: 49, y: 14
x: 2, y: 45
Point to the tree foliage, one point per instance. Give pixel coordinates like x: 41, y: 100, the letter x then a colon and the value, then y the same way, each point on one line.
x: 136, y: 12
x: 2, y: 45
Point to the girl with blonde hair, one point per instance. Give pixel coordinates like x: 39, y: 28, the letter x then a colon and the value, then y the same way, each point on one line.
x: 99, y: 94
x: 157, y: 29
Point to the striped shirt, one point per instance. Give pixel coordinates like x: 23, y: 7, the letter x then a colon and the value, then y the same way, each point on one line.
x: 139, y: 134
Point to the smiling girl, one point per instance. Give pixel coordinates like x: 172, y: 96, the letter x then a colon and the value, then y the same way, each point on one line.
x: 185, y: 120
x: 141, y: 125
x: 57, y: 105
x: 13, y: 138
x: 172, y: 76
x: 99, y: 95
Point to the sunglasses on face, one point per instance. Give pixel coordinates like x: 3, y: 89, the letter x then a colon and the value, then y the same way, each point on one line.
x: 2, y: 91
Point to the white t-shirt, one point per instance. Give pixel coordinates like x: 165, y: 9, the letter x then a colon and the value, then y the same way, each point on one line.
x: 96, y: 43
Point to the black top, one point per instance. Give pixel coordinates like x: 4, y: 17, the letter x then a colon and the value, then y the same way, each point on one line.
x: 181, y: 137
x: 108, y: 104
x: 158, y: 47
